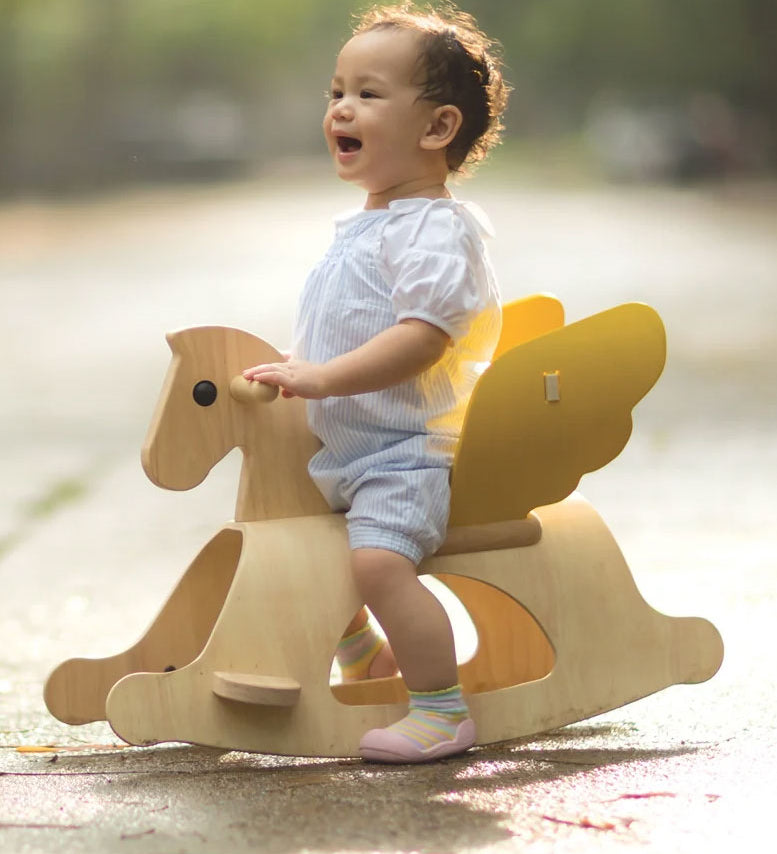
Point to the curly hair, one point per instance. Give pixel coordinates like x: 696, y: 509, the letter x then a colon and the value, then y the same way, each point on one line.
x: 458, y: 65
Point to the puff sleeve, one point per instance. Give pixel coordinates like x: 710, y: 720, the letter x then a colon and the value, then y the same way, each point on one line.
x: 433, y: 261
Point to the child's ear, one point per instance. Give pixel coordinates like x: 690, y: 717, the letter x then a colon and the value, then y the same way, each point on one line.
x: 443, y: 127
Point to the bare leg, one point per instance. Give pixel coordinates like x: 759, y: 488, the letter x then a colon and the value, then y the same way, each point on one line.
x: 414, y: 621
x: 437, y: 723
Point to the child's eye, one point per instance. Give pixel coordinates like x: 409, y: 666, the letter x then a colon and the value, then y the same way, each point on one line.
x: 365, y: 93
x: 334, y: 94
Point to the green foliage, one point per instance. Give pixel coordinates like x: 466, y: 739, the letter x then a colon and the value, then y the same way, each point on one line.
x: 68, y: 68
x: 661, y: 49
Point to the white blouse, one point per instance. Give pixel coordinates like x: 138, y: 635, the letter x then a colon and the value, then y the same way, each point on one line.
x: 422, y: 259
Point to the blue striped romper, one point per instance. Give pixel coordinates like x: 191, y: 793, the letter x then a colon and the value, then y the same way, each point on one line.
x: 386, y: 455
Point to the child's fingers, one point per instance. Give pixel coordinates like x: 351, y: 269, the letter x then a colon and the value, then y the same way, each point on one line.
x: 260, y: 371
x: 270, y: 377
x: 292, y: 377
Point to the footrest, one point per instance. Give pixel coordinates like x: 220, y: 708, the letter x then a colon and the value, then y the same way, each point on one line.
x: 256, y: 690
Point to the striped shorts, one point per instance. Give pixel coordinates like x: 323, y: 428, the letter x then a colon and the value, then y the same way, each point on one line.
x: 391, y: 502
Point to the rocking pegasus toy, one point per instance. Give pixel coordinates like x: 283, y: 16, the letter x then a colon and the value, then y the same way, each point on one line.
x: 240, y: 655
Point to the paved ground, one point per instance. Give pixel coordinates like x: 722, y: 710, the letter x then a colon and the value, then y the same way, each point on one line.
x: 89, y: 549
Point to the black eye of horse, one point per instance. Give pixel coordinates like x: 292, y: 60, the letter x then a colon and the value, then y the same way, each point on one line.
x: 205, y: 393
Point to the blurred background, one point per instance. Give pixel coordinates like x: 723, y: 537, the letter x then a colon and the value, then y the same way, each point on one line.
x: 162, y: 165
x: 99, y: 93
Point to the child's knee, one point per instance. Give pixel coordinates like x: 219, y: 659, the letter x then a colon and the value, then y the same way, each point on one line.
x: 377, y: 571
x: 368, y: 536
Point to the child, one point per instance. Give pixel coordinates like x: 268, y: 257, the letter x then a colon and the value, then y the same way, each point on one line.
x: 393, y: 328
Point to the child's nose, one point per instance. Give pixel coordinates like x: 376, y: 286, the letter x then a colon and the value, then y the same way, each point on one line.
x: 342, y: 109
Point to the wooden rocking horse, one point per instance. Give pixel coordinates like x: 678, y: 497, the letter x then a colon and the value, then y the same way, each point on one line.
x: 240, y: 655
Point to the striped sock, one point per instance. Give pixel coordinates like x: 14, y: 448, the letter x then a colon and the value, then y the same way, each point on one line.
x: 433, y: 718
x: 356, y: 652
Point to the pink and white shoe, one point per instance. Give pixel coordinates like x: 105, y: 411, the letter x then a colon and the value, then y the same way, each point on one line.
x: 387, y: 745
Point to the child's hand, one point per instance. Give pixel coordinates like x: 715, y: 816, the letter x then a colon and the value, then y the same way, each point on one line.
x: 295, y: 377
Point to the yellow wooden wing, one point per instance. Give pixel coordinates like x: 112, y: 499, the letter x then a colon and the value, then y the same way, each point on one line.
x: 527, y: 318
x: 552, y: 409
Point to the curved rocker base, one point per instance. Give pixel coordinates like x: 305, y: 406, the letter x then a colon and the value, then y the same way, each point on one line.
x: 77, y: 689
x: 257, y: 681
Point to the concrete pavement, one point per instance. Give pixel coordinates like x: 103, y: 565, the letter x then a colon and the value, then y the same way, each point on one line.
x: 90, y: 548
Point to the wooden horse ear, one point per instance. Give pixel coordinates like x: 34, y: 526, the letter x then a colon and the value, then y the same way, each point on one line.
x: 248, y: 391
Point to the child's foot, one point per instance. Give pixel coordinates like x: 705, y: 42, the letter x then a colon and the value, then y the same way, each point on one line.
x: 436, y: 726
x: 365, y: 655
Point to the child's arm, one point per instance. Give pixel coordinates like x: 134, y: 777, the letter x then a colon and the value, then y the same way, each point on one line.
x: 398, y: 353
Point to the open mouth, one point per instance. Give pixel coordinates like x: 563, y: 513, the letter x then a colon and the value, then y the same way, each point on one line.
x: 348, y: 144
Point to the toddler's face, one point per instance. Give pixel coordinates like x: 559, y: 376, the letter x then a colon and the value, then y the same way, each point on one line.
x: 376, y: 119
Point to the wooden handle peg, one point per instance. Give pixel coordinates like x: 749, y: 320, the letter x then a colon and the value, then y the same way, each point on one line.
x: 251, y: 391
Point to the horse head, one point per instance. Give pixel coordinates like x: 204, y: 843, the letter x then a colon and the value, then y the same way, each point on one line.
x: 206, y: 408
